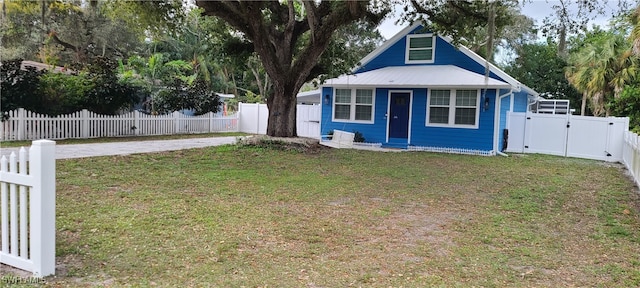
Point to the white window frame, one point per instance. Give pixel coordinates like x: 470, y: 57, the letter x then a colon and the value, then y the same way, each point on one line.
x: 452, y: 109
x: 352, y: 106
x: 433, y: 49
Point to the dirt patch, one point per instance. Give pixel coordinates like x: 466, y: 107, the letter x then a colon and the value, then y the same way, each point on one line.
x: 6, y: 270
x: 419, y: 224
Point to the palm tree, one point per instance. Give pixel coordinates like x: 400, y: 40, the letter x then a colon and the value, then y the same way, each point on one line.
x: 600, y: 69
x: 635, y: 32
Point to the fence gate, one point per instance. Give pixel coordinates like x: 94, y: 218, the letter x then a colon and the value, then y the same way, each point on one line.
x: 254, y: 117
x: 27, y: 209
x: 597, y: 138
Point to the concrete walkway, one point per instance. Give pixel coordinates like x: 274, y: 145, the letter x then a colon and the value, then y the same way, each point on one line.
x: 126, y: 148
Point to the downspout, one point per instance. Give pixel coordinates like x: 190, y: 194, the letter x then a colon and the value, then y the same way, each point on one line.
x: 496, y: 121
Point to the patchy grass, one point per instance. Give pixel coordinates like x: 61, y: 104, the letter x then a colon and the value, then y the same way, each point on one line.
x: 235, y: 216
x: 124, y: 139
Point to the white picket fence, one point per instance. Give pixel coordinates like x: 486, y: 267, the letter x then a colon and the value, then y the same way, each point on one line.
x: 27, y: 209
x: 26, y: 125
x: 250, y: 118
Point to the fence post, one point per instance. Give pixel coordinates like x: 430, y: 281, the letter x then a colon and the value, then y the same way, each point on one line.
x: 84, y: 116
x: 42, y: 164
x: 239, y: 116
x: 21, y: 124
x: 136, y: 122
x: 176, y: 122
x: 258, y: 119
x: 210, y: 121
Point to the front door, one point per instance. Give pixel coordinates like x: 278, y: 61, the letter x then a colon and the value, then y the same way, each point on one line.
x: 399, y: 115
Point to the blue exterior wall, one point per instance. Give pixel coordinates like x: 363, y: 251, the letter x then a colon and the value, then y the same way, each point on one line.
x: 421, y: 135
x: 521, y: 102
x: 373, y: 133
x: 462, y: 138
x: 505, y: 106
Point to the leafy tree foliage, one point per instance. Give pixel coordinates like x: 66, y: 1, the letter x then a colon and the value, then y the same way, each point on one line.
x: 18, y: 86
x: 482, y: 26
x: 20, y: 32
x: 180, y: 95
x: 289, y: 42
x: 62, y: 32
x: 62, y: 93
x: 95, y: 87
x: 635, y: 30
x: 539, y: 67
x: 107, y: 94
x: 628, y: 105
x: 570, y: 17
x: 600, y: 67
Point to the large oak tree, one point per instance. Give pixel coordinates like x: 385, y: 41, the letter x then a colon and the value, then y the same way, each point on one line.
x: 290, y: 39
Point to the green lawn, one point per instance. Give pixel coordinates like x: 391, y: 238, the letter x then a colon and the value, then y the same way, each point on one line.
x: 261, y: 217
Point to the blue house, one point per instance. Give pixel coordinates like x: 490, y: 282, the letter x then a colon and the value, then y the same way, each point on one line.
x: 418, y: 91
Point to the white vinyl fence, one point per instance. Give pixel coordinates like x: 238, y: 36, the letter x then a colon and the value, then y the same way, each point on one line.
x: 567, y: 135
x: 27, y: 209
x: 26, y: 125
x: 253, y: 119
x: 631, y: 155
x: 250, y: 118
x: 308, y: 121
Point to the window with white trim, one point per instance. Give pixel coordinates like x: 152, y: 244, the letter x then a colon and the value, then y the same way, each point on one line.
x: 453, y: 107
x: 420, y: 48
x: 353, y: 105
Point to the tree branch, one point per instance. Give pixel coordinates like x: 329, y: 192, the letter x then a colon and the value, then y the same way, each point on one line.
x: 66, y: 45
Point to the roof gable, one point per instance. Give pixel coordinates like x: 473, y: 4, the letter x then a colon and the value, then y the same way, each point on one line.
x: 441, y: 76
x: 391, y: 53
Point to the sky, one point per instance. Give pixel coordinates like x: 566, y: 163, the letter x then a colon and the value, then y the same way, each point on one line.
x: 536, y: 9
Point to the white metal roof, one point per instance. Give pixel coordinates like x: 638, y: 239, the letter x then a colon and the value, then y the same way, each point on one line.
x: 427, y: 76
x: 309, y: 97
x: 222, y: 95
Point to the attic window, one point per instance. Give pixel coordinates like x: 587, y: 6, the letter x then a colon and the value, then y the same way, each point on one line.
x: 420, y: 48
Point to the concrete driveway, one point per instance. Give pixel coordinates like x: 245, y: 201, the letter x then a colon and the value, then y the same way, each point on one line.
x: 132, y: 147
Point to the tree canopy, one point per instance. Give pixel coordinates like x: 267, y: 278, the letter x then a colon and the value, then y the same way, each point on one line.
x: 289, y: 41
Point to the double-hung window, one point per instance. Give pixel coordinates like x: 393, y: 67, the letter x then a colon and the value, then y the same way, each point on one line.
x: 353, y: 105
x: 453, y: 107
x: 420, y: 48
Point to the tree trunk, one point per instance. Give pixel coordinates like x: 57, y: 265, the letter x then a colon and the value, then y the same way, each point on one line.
x: 282, y: 111
x: 562, y: 42
x: 583, y: 108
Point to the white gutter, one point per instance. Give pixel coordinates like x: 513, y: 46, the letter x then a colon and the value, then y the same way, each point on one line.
x: 496, y: 121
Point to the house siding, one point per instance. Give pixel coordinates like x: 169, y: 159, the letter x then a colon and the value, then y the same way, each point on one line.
x: 420, y: 134
x: 505, y: 106
x: 445, y: 54
x: 521, y: 102
x: 448, y: 137
x: 374, y: 132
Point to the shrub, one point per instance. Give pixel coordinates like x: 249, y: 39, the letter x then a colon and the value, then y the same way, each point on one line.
x: 358, y: 137
x: 628, y: 105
